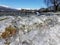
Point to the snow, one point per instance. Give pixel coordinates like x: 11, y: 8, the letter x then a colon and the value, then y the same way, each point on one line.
x: 47, y: 34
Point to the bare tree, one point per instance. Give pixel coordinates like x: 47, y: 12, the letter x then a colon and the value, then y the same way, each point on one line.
x: 54, y: 3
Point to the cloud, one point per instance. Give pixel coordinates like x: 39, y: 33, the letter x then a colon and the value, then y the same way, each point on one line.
x: 4, y: 5
x: 18, y: 8
x: 26, y: 8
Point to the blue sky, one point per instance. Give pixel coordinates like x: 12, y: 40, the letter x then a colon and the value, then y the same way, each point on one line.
x: 33, y: 4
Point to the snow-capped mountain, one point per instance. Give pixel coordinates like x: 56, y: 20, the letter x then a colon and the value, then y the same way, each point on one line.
x: 5, y: 8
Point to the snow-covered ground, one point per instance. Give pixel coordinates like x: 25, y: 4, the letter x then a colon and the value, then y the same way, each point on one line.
x: 32, y: 30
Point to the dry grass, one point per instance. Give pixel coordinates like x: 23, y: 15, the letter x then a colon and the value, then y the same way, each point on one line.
x: 9, y: 31
x: 3, y: 19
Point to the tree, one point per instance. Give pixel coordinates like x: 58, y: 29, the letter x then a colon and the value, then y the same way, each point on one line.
x: 54, y: 3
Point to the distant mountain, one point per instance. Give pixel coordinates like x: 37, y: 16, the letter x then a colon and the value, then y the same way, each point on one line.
x: 2, y: 8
